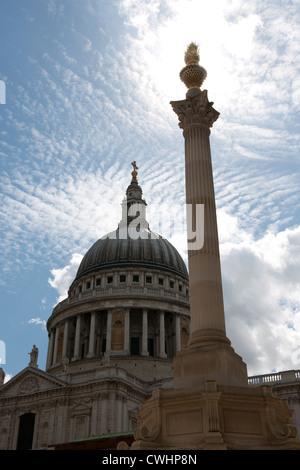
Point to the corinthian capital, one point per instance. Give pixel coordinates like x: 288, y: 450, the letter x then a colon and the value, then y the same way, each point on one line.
x: 196, y: 110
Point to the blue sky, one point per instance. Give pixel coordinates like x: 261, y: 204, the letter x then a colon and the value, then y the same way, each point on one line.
x: 88, y: 86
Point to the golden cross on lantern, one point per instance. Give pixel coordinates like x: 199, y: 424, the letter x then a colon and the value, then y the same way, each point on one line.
x: 134, y: 173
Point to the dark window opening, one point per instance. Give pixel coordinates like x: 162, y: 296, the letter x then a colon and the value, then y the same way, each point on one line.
x: 150, y: 347
x: 26, y: 428
x: 148, y: 279
x: 109, y: 279
x: 122, y: 278
x: 134, y: 346
x: 136, y: 278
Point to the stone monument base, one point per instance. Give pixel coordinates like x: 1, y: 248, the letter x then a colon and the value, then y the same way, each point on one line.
x: 209, y: 360
x: 215, y: 417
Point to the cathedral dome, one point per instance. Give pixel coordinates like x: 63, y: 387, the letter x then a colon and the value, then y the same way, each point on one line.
x: 133, y: 244
x: 148, y: 250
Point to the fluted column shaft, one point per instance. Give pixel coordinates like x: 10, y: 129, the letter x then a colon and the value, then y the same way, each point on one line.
x: 196, y: 116
x: 206, y: 296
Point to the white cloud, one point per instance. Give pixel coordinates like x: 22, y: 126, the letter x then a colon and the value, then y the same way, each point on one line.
x: 262, y: 296
x: 7, y: 377
x: 38, y: 321
x: 63, y: 277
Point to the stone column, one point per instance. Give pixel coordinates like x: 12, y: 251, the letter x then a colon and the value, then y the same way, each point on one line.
x: 218, y: 361
x: 145, y: 351
x: 65, y: 342
x: 196, y: 116
x: 108, y: 331
x: 162, y: 349
x: 55, y: 344
x: 127, y: 331
x: 77, y: 339
x: 50, y: 350
x: 91, y: 352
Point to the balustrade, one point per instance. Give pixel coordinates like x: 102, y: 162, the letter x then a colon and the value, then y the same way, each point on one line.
x: 270, y: 379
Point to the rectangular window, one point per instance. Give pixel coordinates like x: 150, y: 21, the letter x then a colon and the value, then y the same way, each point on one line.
x: 122, y: 278
x: 172, y: 284
x: 150, y: 347
x: 148, y: 279
x: 136, y: 278
x: 98, y: 282
x: 160, y: 281
x: 88, y: 285
x: 109, y: 279
x: 134, y: 346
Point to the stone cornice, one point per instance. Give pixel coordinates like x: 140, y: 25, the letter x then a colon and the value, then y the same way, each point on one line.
x: 195, y: 111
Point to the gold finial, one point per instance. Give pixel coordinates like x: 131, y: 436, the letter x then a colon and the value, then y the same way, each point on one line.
x: 193, y: 74
x: 192, y: 55
x: 134, y: 172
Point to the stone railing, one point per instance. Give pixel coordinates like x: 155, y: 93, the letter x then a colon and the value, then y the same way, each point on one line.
x: 122, y: 291
x: 274, y: 378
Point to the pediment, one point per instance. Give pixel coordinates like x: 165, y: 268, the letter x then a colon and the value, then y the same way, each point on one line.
x: 30, y: 380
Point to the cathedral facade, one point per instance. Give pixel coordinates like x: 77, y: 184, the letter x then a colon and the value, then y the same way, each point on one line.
x: 111, y: 341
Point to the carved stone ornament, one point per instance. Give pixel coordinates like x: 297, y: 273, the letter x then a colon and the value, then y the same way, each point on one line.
x: 29, y: 385
x: 195, y: 110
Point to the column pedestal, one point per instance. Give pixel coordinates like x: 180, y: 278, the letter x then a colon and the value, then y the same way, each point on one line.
x: 215, y: 417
